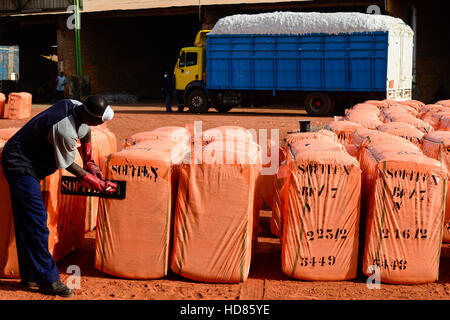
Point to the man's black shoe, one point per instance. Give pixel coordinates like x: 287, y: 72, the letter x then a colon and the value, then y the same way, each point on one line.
x: 56, y: 289
x: 28, y: 284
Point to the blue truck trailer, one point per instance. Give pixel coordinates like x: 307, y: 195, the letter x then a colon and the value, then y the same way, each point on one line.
x: 227, y: 70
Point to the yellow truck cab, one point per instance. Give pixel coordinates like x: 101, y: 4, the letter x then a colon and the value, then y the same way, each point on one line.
x: 190, y: 75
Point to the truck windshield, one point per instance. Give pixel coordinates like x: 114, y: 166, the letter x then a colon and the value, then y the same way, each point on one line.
x: 187, y: 59
x: 191, y: 59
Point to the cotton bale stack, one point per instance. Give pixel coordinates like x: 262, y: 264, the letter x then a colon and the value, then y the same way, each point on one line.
x: 133, y: 238
x: 215, y: 216
x: 405, y: 192
x: 319, y: 202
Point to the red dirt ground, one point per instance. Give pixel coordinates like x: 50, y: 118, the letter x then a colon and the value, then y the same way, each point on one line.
x: 266, y: 280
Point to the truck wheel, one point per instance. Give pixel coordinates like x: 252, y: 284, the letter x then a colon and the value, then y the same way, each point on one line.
x: 197, y: 101
x: 223, y: 109
x: 319, y: 104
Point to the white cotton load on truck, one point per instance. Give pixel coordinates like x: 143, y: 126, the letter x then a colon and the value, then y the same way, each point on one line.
x: 436, y: 145
x: 405, y: 191
x: 215, y: 216
x: 306, y: 23
x: 133, y: 235
x: 318, y: 211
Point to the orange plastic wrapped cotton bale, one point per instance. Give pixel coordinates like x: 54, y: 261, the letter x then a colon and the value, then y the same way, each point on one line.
x: 9, y: 266
x: 431, y: 108
x: 445, y: 103
x: 405, y: 217
x: 364, y: 118
x: 415, y: 104
x: 367, y: 107
x: 436, y: 145
x: 363, y: 137
x: 309, y: 145
x: 223, y: 133
x: 133, y: 234
x: 177, y: 134
x: 344, y: 129
x: 444, y: 123
x: 423, y: 126
x: 214, y: 217
x: 2, y: 105
x: 379, y: 103
x: 320, y: 209
x: 409, y: 133
x: 294, y: 137
x: 19, y: 105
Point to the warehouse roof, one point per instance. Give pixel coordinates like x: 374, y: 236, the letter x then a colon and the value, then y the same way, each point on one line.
x: 116, y: 5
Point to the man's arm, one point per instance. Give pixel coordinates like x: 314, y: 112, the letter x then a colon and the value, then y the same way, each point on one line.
x: 77, y: 171
x: 85, y: 150
x: 89, y: 180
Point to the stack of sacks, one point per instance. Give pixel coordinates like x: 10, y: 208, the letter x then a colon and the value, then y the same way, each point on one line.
x: 344, y: 129
x: 215, y: 216
x: 436, y: 145
x: 104, y: 143
x: 19, y: 106
x: 2, y: 105
x: 405, y: 192
x: 177, y: 134
x: 367, y: 115
x: 133, y: 234
x: 320, y: 207
x: 404, y: 130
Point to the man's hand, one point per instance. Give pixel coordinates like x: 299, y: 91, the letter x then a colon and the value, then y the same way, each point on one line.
x: 88, y: 162
x: 93, y: 182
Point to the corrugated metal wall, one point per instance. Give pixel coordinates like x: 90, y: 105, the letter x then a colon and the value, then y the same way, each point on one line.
x: 35, y: 5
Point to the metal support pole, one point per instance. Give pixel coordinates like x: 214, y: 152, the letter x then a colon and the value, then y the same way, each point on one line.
x: 77, y: 37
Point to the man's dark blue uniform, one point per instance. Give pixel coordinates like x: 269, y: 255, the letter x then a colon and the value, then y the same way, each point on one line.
x: 27, y: 158
x: 45, y: 144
